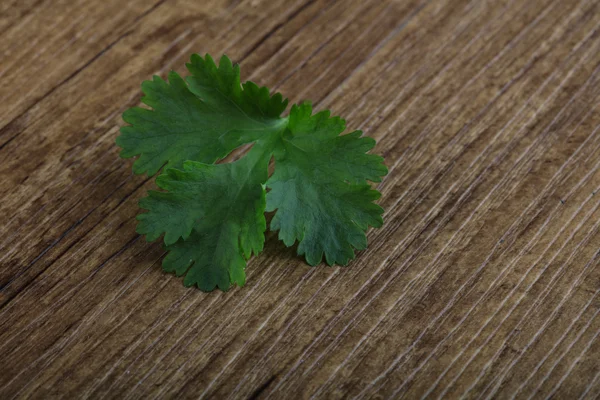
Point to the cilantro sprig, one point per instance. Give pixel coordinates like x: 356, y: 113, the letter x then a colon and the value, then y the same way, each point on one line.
x: 212, y: 216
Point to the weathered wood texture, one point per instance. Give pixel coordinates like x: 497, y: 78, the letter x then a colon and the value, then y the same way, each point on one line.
x: 482, y: 283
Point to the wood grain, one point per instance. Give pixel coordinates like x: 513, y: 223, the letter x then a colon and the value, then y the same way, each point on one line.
x: 483, y: 282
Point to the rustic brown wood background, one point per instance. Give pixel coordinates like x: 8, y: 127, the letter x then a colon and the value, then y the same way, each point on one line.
x: 483, y: 282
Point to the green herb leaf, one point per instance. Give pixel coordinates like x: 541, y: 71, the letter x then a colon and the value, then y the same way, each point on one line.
x: 212, y: 215
x: 319, y: 187
x: 202, y: 122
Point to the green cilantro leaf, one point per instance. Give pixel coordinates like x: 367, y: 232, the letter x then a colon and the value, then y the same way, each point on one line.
x: 319, y: 187
x: 212, y: 215
x: 202, y: 122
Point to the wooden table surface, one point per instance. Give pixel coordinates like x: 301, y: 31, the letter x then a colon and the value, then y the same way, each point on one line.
x: 482, y: 283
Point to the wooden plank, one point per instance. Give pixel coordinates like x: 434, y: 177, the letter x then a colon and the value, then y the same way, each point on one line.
x: 483, y: 281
